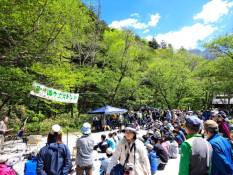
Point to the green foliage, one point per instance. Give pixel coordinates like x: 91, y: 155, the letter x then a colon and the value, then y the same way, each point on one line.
x: 63, y: 45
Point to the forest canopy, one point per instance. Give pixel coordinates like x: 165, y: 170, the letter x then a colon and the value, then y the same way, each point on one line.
x: 64, y: 45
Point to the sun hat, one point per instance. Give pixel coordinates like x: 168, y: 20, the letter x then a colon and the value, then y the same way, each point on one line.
x: 130, y: 127
x: 150, y: 132
x: 109, y: 151
x: 149, y: 147
x: 222, y: 114
x: 193, y: 122
x: 3, y: 158
x: 86, y: 129
x: 55, y: 128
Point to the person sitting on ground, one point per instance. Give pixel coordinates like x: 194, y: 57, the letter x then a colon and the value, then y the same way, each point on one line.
x: 162, y: 142
x: 119, y: 135
x: 137, y: 126
x: 4, y: 169
x: 105, y: 161
x: 103, y: 145
x: 150, y: 133
x: 177, y: 137
x: 196, y: 152
x: 115, y: 138
x: 110, y: 141
x: 173, y: 147
x: 54, y: 158
x: 145, y: 140
x: 152, y: 158
x: 30, y: 166
x: 165, y: 131
x: 222, y: 152
x: 162, y: 156
x: 179, y: 129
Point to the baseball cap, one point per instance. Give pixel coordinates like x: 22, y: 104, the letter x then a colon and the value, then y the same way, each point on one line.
x: 193, y: 122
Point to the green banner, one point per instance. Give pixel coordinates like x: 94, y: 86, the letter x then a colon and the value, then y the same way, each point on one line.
x: 53, y: 94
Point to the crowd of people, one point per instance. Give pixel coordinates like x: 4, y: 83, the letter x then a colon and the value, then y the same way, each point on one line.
x: 202, y: 139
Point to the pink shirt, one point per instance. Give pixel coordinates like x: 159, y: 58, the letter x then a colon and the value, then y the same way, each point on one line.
x: 165, y: 146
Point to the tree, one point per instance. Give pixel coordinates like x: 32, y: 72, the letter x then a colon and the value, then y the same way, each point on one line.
x: 154, y: 44
x: 223, y: 45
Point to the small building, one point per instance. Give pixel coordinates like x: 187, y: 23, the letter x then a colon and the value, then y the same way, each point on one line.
x: 223, y: 102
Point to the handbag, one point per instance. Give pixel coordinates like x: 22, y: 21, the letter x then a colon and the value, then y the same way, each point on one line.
x: 119, y: 169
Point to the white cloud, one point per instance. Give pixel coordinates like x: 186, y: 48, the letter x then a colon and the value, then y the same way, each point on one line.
x: 213, y: 10
x: 187, y: 36
x: 149, y: 37
x: 135, y: 14
x: 154, y: 20
x: 146, y: 31
x: 128, y: 23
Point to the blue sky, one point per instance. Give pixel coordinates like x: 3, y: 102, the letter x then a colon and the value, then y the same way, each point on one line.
x: 186, y: 23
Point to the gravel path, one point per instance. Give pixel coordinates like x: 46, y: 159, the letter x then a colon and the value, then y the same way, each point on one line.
x: 171, y: 168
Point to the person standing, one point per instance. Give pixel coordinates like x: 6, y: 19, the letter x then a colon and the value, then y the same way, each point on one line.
x: 196, y: 152
x: 223, y: 128
x: 222, y: 159
x: 54, y: 158
x: 139, y: 114
x: 3, y: 130
x: 84, y: 145
x: 136, y: 152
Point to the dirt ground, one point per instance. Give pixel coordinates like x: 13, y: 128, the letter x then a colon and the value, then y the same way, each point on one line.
x: 17, y: 158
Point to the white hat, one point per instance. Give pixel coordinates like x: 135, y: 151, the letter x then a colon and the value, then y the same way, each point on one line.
x: 55, y: 128
x: 109, y: 151
x: 3, y: 158
x: 86, y: 129
x: 149, y: 146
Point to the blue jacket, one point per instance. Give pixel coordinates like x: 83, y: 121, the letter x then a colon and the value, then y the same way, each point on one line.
x: 53, y: 159
x: 153, y: 161
x: 30, y: 167
x: 222, y: 159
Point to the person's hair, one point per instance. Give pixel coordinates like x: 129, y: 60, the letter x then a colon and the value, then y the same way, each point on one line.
x: 4, y: 162
x: 174, y: 131
x: 56, y: 138
x: 110, y: 135
x: 114, y: 133
x: 103, y: 136
x: 168, y: 138
x: 155, y: 139
x: 145, y: 137
x: 192, y: 129
x: 212, y: 130
x: 109, y: 155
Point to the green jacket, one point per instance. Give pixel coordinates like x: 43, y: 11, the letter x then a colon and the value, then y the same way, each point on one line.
x: 193, y: 149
